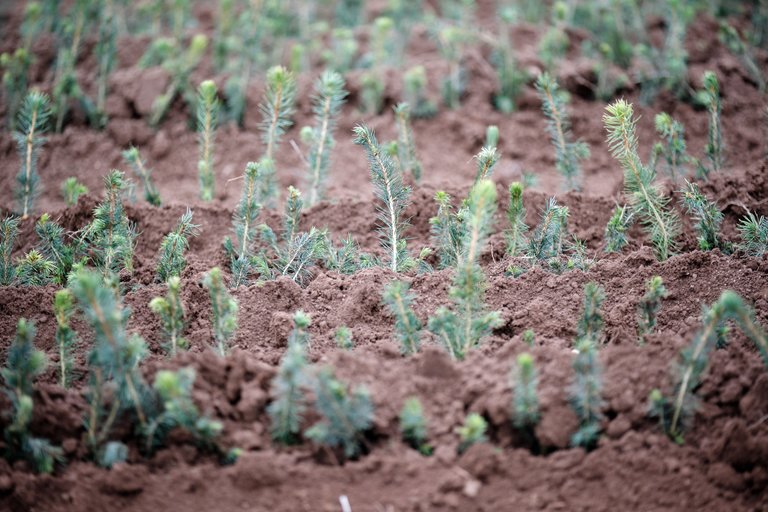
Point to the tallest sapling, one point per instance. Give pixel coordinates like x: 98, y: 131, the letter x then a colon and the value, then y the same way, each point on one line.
x: 276, y: 109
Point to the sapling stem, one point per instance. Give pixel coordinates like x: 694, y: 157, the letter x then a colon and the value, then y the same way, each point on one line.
x: 516, y: 239
x: 207, y: 121
x: 643, y: 194
x: 171, y: 312
x: 66, y: 338
x: 710, y: 97
x: 9, y: 228
x: 31, y: 122
x: 244, y: 224
x: 406, y: 147
x: 276, y: 110
x: 707, y: 215
x: 172, y: 248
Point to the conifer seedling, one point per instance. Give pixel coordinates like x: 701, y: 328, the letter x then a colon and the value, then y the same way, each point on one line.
x: 616, y: 229
x: 113, y: 361
x: 174, y: 394
x: 34, y: 269
x: 171, y: 261
x: 413, y: 425
x: 568, y: 153
x: 15, y: 70
x: 406, y: 146
x: 515, y: 235
x: 591, y: 321
x: 525, y: 401
x: 224, y: 308
x: 754, y: 233
x: 546, y: 240
x: 170, y: 309
x: 31, y: 123
x: 106, y: 56
x: 343, y: 337
x: 707, y: 215
x: 390, y: 190
x: 111, y: 236
x: 414, y: 85
x: 529, y: 337
x: 244, y: 223
x: 675, y: 150
x: 276, y: 110
x: 585, y: 395
x: 71, y: 190
x: 408, y: 327
x: 643, y: 194
x: 649, y: 306
x: 709, y: 96
x: 487, y: 159
x: 288, y: 407
x: 55, y: 249
x: 23, y: 364
x: 463, y: 326
x: 139, y: 166
x: 9, y: 228
x: 326, y: 105
x: 66, y: 337
x: 207, y: 122
x: 446, y: 230
x: 346, y: 414
x: 472, y: 432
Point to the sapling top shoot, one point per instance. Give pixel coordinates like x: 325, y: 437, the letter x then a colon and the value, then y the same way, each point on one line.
x: 472, y: 432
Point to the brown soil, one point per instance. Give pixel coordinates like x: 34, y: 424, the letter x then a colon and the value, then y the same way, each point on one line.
x: 723, y: 464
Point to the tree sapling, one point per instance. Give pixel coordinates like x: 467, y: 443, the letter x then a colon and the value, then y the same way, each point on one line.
x: 276, y: 111
x: 709, y: 96
x: 585, y: 393
x: 171, y: 261
x: 245, y: 228
x: 170, y: 309
x: 515, y: 235
x: 754, y: 232
x: 525, y: 402
x: 591, y: 321
x: 71, y: 190
x: 9, y: 228
x: 408, y: 327
x: 66, y: 337
x: 139, y: 166
x: 707, y: 215
x: 287, y: 409
x: 617, y: 227
x: 413, y: 425
x: 472, y: 432
x: 207, y: 122
x: 31, y: 123
x: 224, y: 308
x: 343, y: 337
x: 406, y: 147
x: 649, y: 306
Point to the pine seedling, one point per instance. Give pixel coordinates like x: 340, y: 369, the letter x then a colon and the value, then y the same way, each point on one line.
x: 66, y: 337
x: 585, y: 393
x: 546, y: 241
x: 413, y: 425
x: 649, y: 306
x: 276, y: 111
x: 224, y: 308
x: 207, y: 122
x: 462, y: 328
x: 472, y: 432
x: 451, y: 42
x: 554, y: 42
x: 414, y: 85
x: 616, y: 229
x: 347, y: 258
x: 9, y: 228
x: 406, y: 147
x: 492, y: 136
x: 71, y: 190
x: 389, y: 188
x: 296, y: 253
x: 349, y: 12
x: 525, y: 401
x: 170, y: 310
x: 529, y: 337
x: 15, y: 70
x: 707, y: 215
x: 591, y: 322
x: 171, y: 259
x: 510, y: 75
x: 31, y: 123
x: 300, y: 332
x: 568, y: 153
x: 487, y: 159
x: 515, y: 235
x: 326, y: 105
x: 114, y: 360
x: 643, y: 194
x: 674, y: 136
x: 343, y: 49
x: 288, y: 407
x: 55, y: 249
x: 731, y: 39
x: 34, y: 269
x: 347, y: 414
x: 174, y: 393
x: 245, y: 227
x: 677, y: 412
x: 139, y: 166
x: 106, y: 53
x: 23, y: 364
x: 710, y: 97
x: 754, y: 232
x: 408, y: 327
x: 343, y: 337
x: 371, y: 93
x: 111, y: 236
x: 446, y: 231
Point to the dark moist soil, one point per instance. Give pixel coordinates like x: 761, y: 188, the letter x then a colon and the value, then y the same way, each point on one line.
x: 723, y: 464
